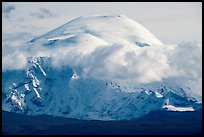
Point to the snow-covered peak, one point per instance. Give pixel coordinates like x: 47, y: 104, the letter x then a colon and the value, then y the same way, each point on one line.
x: 113, y: 29
x: 101, y: 46
x: 99, y: 67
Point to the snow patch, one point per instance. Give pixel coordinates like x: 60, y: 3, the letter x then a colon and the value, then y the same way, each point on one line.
x: 42, y: 70
x: 147, y: 92
x: 158, y: 95
x: 19, y: 100
x: 27, y: 87
x: 38, y: 95
x: 75, y: 76
x: 173, y: 108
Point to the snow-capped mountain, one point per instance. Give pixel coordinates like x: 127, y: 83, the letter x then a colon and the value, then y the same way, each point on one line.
x: 89, y: 68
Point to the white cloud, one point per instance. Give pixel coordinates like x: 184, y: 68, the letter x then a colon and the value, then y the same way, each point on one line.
x: 13, y: 59
x: 181, y: 64
x: 186, y: 58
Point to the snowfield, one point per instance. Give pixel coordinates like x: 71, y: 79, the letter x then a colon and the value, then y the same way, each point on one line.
x: 172, y: 108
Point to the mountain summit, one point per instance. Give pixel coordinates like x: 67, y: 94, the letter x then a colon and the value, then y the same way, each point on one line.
x: 112, y: 29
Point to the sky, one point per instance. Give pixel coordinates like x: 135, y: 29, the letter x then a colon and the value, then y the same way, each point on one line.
x: 172, y: 22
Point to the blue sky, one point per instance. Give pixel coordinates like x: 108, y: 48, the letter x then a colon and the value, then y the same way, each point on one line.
x: 172, y: 22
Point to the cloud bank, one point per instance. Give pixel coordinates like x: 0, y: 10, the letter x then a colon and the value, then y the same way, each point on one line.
x: 181, y: 64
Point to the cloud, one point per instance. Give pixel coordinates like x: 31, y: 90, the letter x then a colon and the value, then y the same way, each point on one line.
x: 7, y: 9
x: 14, y: 51
x: 16, y: 38
x: 174, y: 64
x: 44, y: 13
x: 186, y: 59
x: 13, y: 58
x: 107, y: 62
x: 14, y: 61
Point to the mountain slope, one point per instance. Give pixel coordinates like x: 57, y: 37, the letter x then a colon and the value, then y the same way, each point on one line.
x: 60, y: 93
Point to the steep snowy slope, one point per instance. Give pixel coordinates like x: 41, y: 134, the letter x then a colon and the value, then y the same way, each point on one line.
x: 98, y: 67
x: 63, y: 93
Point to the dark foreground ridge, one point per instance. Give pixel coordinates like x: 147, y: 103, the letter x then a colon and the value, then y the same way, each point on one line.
x: 156, y: 122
